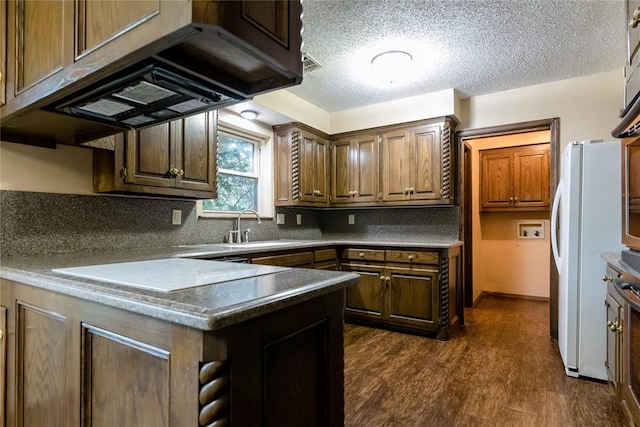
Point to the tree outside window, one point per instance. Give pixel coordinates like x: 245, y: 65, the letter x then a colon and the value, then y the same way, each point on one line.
x: 238, y: 173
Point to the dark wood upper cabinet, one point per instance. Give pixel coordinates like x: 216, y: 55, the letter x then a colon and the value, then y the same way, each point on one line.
x: 515, y: 178
x: 171, y: 159
x: 405, y: 164
x: 58, y: 49
x: 301, y: 166
x: 411, y: 164
x: 355, y: 164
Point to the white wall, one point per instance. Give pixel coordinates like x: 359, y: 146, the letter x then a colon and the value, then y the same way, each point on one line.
x: 588, y: 107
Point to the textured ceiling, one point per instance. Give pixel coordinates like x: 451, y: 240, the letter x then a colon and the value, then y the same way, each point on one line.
x: 476, y: 47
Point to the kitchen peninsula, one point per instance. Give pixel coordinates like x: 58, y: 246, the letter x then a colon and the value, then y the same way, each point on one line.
x: 263, y: 350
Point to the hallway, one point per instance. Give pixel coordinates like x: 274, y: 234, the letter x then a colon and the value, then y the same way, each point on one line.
x: 501, y: 369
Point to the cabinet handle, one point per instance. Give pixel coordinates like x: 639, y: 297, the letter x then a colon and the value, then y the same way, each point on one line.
x: 411, y: 257
x: 412, y: 190
x: 406, y: 190
x: 316, y: 192
x: 174, y: 172
x: 511, y: 199
x: 635, y: 20
x: 355, y: 194
x: 361, y: 255
x: 1, y: 334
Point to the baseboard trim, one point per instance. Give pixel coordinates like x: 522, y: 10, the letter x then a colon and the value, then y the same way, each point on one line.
x: 505, y: 295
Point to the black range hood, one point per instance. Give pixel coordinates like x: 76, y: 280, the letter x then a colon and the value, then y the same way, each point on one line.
x: 148, y: 93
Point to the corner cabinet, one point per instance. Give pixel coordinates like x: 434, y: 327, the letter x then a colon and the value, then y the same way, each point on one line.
x: 409, y: 164
x: 177, y: 158
x: 417, y: 164
x: 301, y: 166
x: 515, y: 178
x: 413, y: 291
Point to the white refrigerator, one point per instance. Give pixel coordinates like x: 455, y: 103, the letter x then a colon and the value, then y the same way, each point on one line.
x: 585, y: 222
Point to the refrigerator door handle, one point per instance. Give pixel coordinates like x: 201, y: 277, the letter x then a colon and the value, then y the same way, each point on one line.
x: 554, y: 225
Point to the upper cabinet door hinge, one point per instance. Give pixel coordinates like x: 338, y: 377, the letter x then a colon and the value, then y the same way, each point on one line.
x: 123, y: 172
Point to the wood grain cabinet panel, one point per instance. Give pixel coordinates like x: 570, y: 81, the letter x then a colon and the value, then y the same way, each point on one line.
x: 355, y: 165
x: 4, y: 34
x: 417, y: 163
x: 39, y: 53
x: 408, y: 290
x: 301, y: 166
x: 515, y: 178
x: 117, y: 393
x: 98, y: 22
x: 177, y: 158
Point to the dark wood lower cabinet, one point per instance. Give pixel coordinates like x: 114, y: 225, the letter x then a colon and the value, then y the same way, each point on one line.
x: 72, y: 362
x: 413, y: 291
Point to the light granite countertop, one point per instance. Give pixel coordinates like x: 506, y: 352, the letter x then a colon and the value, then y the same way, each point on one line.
x: 206, y: 307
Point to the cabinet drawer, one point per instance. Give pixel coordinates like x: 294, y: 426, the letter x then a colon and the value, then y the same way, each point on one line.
x: 325, y: 255
x: 416, y: 257
x: 363, y: 254
x: 302, y: 259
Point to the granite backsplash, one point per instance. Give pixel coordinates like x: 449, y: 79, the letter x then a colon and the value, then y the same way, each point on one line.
x: 46, y: 223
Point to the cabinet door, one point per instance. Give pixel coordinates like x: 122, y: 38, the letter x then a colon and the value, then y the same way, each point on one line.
x: 195, y: 148
x: 413, y: 297
x: 341, y: 171
x: 531, y: 179
x: 149, y: 156
x: 496, y: 180
x: 39, y: 54
x: 395, y: 166
x: 365, y: 168
x: 314, y: 165
x: 282, y: 168
x: 366, y: 299
x: 613, y: 364
x: 425, y: 166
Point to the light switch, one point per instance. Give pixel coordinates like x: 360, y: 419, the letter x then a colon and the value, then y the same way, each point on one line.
x: 352, y: 219
x: 280, y: 219
x: 298, y: 219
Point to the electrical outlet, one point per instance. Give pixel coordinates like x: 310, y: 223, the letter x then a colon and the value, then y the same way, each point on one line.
x: 352, y: 219
x: 280, y: 219
x: 298, y: 219
x: 176, y: 217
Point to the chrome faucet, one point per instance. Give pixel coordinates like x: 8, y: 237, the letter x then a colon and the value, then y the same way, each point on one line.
x: 237, y: 230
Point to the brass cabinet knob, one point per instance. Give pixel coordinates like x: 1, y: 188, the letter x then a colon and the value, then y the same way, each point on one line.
x: 635, y: 19
x: 412, y: 190
x: 174, y: 172
x: 361, y: 255
x: 406, y: 190
x: 411, y: 257
x: 355, y: 193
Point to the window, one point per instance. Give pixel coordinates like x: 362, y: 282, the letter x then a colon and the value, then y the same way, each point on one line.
x: 238, y: 175
x: 244, y: 170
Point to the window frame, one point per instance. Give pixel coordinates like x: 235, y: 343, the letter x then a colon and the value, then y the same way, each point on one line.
x: 262, y: 136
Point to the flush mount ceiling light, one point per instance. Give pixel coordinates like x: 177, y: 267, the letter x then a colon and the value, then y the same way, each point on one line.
x: 392, y: 66
x: 249, y: 114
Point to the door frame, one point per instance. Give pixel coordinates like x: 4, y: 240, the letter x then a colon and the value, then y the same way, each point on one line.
x: 552, y: 125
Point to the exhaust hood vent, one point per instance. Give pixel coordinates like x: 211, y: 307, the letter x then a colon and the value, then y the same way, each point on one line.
x: 309, y: 63
x: 148, y: 94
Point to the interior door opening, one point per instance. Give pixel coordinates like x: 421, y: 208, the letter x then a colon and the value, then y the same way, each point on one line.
x: 496, y: 232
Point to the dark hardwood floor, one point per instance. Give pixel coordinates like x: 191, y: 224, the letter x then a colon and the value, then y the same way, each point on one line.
x: 500, y: 370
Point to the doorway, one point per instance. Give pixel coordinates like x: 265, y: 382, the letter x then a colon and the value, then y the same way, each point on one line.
x: 465, y: 142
